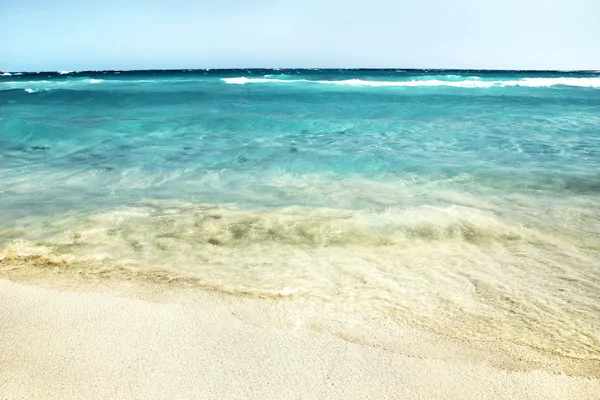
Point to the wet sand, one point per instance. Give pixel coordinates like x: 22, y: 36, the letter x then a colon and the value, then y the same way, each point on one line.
x: 66, y: 339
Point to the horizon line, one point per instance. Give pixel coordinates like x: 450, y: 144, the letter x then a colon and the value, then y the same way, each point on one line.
x: 395, y: 69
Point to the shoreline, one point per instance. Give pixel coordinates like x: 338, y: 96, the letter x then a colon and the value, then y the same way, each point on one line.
x: 62, y: 272
x: 70, y: 337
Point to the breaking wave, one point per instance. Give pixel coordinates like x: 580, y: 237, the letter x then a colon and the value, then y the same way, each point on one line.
x: 471, y: 82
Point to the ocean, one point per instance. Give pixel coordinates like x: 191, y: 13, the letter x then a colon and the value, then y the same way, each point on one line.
x: 465, y: 203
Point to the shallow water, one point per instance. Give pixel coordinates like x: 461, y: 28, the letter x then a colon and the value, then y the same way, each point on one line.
x: 464, y: 202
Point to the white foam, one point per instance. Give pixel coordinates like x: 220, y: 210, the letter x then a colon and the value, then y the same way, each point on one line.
x: 546, y: 82
x: 242, y: 80
x: 64, y: 72
x: 7, y: 74
x: 29, y: 90
x: 95, y: 80
x: 471, y: 82
x: 525, y: 82
x: 286, y: 291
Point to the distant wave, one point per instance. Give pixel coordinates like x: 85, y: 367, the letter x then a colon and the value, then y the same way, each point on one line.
x: 64, y: 72
x: 72, y: 83
x: 451, y: 81
x: 47, y: 85
x: 470, y: 82
x: 6, y: 74
x: 243, y: 80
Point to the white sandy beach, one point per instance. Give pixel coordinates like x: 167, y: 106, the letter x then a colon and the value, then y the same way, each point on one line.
x: 118, y: 340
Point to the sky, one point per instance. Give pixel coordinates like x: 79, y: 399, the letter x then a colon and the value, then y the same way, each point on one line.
x: 44, y: 35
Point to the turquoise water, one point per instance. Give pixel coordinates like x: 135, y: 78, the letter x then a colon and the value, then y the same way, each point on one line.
x: 113, y: 138
x: 443, y: 198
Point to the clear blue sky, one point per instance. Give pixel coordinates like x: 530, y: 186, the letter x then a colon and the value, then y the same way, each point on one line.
x: 134, y: 34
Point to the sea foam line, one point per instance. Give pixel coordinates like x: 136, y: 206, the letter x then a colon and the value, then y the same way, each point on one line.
x: 472, y: 82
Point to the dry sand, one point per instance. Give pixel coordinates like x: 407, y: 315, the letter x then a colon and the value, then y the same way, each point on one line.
x: 119, y: 340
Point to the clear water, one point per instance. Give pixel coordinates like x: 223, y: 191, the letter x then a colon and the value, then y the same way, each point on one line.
x: 465, y: 202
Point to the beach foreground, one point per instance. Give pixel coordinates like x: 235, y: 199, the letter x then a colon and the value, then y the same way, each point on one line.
x: 71, y: 339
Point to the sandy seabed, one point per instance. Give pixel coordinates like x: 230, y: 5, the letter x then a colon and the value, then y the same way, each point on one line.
x: 67, y: 339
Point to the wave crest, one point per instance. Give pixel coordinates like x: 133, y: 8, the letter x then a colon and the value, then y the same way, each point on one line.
x: 470, y: 82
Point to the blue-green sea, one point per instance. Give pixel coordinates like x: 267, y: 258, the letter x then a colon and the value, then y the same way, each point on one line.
x: 462, y: 202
